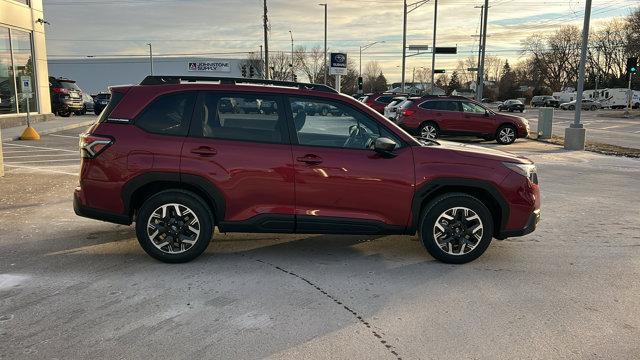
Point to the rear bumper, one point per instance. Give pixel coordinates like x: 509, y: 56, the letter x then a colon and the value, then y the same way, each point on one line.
x: 81, y: 210
x: 530, y: 227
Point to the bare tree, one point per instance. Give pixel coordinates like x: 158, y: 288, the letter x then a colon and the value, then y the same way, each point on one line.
x: 370, y: 74
x: 279, y: 66
x: 310, y: 63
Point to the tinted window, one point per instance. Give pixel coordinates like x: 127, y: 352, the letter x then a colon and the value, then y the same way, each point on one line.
x: 69, y: 85
x: 168, y: 114
x: 429, y: 105
x: 240, y: 117
x: 343, y: 126
x: 406, y: 104
x: 442, y: 105
x: 384, y: 99
x: 115, y: 99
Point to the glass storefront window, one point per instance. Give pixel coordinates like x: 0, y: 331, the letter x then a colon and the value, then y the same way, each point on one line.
x: 7, y: 85
x: 16, y: 65
x: 23, y: 65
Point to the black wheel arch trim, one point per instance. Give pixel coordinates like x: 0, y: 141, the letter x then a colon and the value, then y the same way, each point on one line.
x: 203, y: 185
x: 433, y: 186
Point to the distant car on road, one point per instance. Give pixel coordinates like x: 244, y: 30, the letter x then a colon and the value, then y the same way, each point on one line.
x: 100, y: 101
x: 587, y: 104
x: 545, y: 100
x: 511, y: 105
x: 66, y: 96
x: 390, y: 109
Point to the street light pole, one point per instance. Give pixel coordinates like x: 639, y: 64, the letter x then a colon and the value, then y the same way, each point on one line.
x: 574, y: 135
x: 326, y: 70
x: 404, y: 43
x: 433, y: 49
x: 292, y: 74
x: 151, y: 58
x: 265, y: 24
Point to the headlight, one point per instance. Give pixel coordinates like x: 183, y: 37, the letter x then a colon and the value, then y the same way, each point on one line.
x: 526, y: 170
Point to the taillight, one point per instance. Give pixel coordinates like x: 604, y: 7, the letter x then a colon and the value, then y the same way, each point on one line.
x: 59, y: 90
x: 408, y: 112
x: 93, y: 145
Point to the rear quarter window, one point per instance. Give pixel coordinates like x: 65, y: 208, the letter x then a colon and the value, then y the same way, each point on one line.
x: 168, y: 114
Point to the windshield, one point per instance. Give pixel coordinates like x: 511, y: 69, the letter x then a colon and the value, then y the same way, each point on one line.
x: 69, y: 85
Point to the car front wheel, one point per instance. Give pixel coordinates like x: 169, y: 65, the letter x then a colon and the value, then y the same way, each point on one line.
x: 174, y: 226
x: 506, y: 134
x: 456, y: 228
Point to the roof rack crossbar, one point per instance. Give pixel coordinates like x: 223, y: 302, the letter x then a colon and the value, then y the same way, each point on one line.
x: 177, y: 79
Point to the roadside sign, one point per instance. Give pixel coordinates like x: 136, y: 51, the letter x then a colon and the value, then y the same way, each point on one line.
x: 338, y: 64
x: 25, y: 86
x: 472, y: 69
x: 439, y: 71
x: 418, y: 47
x: 209, y: 66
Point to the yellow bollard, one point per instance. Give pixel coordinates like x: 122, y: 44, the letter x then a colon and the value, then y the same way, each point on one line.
x: 30, y: 134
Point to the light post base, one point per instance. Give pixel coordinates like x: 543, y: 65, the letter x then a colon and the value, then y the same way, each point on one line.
x: 574, y: 138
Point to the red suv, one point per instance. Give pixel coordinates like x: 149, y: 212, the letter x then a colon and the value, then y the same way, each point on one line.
x: 378, y: 101
x: 433, y: 116
x: 173, y: 156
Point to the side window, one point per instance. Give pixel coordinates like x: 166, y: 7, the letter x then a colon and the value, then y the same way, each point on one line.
x: 168, y: 114
x: 384, y: 99
x: 470, y: 107
x: 448, y: 105
x: 430, y: 105
x: 342, y: 126
x: 244, y: 117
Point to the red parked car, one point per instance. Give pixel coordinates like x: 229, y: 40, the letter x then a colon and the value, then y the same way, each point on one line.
x: 378, y: 101
x: 172, y: 156
x: 434, y: 116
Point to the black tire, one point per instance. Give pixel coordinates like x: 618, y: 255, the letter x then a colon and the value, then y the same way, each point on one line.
x: 435, y: 130
x: 65, y: 113
x: 571, y: 107
x: 504, y: 140
x: 181, y: 197
x: 440, y: 205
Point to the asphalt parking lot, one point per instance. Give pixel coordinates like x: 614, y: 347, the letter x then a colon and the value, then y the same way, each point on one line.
x: 74, y: 288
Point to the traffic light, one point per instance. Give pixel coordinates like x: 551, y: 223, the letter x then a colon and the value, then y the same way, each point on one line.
x: 244, y: 71
x: 360, y: 83
x: 295, y: 78
x: 632, y: 65
x: 251, y: 71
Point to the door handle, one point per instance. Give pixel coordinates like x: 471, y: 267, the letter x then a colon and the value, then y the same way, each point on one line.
x: 204, y: 151
x: 310, y: 159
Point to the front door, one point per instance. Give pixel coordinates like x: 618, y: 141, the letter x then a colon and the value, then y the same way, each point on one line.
x: 476, y: 119
x: 342, y: 185
x: 246, y: 155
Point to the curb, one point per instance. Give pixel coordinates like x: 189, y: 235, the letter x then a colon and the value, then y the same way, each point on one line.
x: 56, y: 129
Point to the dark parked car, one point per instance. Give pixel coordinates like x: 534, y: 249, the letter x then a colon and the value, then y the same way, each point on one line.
x: 511, y: 106
x: 66, y: 96
x: 162, y: 155
x: 434, y: 116
x: 545, y: 100
x: 100, y: 102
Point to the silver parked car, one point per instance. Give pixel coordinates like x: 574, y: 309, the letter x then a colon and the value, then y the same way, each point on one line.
x: 587, y: 104
x: 390, y: 109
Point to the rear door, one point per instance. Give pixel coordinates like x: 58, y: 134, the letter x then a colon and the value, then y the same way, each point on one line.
x: 446, y: 114
x: 246, y: 156
x: 476, y: 119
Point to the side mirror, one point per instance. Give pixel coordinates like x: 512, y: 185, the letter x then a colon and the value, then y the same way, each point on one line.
x: 385, y: 146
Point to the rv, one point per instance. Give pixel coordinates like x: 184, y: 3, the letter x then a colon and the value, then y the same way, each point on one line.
x: 617, y: 98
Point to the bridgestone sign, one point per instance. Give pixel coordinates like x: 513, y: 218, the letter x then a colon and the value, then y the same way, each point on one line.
x: 214, y: 66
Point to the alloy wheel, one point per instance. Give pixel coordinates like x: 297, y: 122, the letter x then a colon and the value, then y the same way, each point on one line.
x: 173, y: 228
x: 458, y: 230
x: 506, y: 135
x: 429, y: 132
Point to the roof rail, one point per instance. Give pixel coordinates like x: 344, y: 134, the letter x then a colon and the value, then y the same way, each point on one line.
x: 178, y: 79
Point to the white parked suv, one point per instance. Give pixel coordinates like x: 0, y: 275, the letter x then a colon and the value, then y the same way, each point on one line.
x: 390, y: 109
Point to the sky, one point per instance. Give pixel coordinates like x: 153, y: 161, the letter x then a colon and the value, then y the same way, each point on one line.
x: 232, y: 28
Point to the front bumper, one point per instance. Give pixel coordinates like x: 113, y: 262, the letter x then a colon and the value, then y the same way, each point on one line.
x: 530, y: 227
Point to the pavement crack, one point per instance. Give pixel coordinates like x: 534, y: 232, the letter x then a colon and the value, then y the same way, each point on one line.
x: 357, y: 316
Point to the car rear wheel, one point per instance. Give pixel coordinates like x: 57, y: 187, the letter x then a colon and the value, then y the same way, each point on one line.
x: 429, y: 130
x: 64, y: 113
x: 174, y: 226
x: 506, y: 134
x: 456, y: 228
x: 571, y: 107
x: 594, y: 108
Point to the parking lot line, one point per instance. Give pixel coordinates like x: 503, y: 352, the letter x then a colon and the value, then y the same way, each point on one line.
x: 611, y: 127
x: 38, y: 155
x: 65, y: 136
x: 38, y: 147
x: 41, y: 169
x: 40, y: 161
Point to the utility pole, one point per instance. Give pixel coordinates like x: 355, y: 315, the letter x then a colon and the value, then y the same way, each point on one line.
x: 292, y: 72
x: 150, y: 58
x: 326, y: 68
x: 478, y: 78
x: 262, y: 61
x: 433, y: 49
x: 404, y: 43
x: 362, y: 48
x: 484, y: 50
x: 574, y: 135
x: 265, y: 23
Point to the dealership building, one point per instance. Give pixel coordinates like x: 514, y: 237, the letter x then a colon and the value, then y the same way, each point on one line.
x: 94, y: 75
x: 24, y: 82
